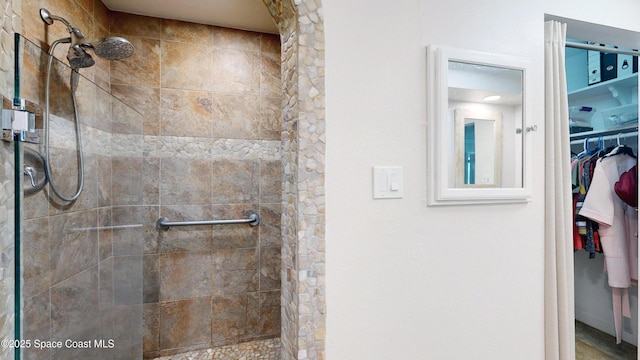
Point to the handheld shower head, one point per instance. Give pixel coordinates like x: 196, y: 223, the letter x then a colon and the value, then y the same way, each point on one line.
x: 79, y: 58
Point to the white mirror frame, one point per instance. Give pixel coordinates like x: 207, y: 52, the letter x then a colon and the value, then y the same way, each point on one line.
x: 440, y: 136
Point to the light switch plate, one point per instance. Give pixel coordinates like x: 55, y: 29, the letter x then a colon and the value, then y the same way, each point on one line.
x: 388, y: 182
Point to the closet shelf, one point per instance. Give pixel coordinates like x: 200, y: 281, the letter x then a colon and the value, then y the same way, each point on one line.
x: 603, y: 88
x: 605, y: 132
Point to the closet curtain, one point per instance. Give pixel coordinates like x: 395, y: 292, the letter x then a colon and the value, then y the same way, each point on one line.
x: 559, y: 297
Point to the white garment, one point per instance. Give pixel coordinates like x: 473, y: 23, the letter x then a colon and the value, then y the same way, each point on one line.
x: 618, y: 224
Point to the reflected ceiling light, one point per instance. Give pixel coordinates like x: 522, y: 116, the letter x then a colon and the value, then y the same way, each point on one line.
x: 491, y: 98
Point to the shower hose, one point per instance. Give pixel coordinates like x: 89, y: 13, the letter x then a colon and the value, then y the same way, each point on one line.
x: 73, y: 83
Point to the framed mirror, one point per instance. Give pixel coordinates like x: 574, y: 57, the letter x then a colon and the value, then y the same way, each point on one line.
x: 477, y: 148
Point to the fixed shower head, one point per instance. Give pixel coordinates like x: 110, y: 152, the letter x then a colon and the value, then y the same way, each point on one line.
x: 113, y: 48
x: 110, y: 48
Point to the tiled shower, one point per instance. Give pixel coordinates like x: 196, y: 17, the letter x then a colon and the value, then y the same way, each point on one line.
x: 207, y: 146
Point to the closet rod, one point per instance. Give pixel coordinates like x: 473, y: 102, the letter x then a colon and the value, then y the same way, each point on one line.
x: 606, y: 137
x: 601, y: 48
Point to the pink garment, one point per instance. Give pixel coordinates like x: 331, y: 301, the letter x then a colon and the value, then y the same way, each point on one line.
x: 618, y: 224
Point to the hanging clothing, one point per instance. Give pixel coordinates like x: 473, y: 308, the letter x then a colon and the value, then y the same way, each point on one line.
x: 618, y: 224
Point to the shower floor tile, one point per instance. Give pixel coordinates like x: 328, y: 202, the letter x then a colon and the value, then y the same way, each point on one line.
x: 268, y: 349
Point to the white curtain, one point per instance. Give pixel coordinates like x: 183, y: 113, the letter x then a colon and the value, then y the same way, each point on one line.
x: 559, y: 298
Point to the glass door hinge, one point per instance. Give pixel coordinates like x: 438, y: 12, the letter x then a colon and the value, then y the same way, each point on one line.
x: 19, y: 125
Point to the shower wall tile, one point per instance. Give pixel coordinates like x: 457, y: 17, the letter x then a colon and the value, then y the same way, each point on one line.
x: 127, y: 330
x: 87, y: 5
x: 127, y: 280
x: 125, y: 121
x: 35, y: 205
x: 106, y: 287
x: 150, y: 185
x: 126, y: 185
x: 210, y: 100
x: 86, y: 94
x: 186, y: 113
x: 174, y: 30
x: 103, y: 174
x: 270, y: 268
x: 151, y: 275
x: 226, y: 38
x: 269, y: 312
x: 236, y: 116
x: 74, y: 304
x: 175, y: 190
x: 136, y: 25
x: 185, y: 275
x: 235, y: 181
x: 105, y: 233
x: 127, y: 238
x: 270, y: 43
x: 270, y: 181
x: 150, y: 215
x: 36, y: 257
x: 270, y: 83
x: 178, y: 70
x: 185, y: 323
x: 231, y: 317
x: 234, y: 236
x: 142, y: 68
x: 270, y: 118
x: 236, y: 71
x: 271, y: 225
x: 38, y: 310
x: 145, y: 99
x: 235, y: 271
x: 73, y: 244
x: 101, y: 14
x: 151, y: 334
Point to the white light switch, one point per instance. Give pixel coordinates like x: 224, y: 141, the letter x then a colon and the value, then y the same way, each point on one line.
x: 387, y: 182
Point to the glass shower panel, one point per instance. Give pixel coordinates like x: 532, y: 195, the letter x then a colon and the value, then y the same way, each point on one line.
x: 80, y: 261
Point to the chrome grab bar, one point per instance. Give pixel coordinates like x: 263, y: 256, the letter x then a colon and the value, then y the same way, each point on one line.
x: 164, y: 224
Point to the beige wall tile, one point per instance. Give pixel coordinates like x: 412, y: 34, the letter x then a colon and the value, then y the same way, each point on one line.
x: 185, y: 323
x: 227, y: 38
x: 136, y: 25
x: 236, y: 116
x: 184, y: 275
x: 235, y: 271
x: 142, y: 68
x: 236, y: 71
x: 146, y: 100
x: 270, y: 118
x: 185, y: 181
x: 186, y: 66
x: 174, y: 30
x: 234, y: 236
x: 269, y: 268
x: 235, y: 181
x: 186, y: 113
x: 270, y: 82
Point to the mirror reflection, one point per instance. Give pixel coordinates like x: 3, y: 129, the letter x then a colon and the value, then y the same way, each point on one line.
x: 485, y: 105
x: 478, y: 147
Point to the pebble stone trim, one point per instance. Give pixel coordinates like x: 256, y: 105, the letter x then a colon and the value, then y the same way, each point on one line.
x: 301, y: 27
x: 268, y: 349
